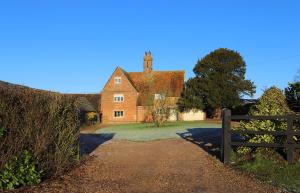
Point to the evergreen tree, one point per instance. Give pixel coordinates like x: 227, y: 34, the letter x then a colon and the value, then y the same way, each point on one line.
x: 191, y: 98
x: 219, y: 82
x: 292, y: 93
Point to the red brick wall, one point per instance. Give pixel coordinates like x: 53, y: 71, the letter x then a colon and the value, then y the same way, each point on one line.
x: 143, y: 114
x: 129, y: 105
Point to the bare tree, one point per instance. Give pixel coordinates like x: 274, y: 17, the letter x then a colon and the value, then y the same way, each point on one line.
x: 158, y: 102
x: 160, y: 110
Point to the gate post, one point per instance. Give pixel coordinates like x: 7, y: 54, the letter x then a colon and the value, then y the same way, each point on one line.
x: 226, y: 126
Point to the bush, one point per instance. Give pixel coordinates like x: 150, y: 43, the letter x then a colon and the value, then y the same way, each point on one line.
x: 43, y: 123
x: 20, y: 171
x: 242, y: 109
x: 91, y: 118
x: 272, y: 102
x: 1, y: 132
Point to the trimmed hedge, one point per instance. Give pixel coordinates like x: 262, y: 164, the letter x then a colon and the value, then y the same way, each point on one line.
x: 43, y: 123
x: 94, y: 99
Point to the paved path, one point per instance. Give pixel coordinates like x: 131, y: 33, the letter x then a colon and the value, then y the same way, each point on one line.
x: 173, y: 165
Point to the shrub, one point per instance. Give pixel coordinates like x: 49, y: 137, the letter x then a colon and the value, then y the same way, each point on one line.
x: 20, y: 171
x: 242, y: 109
x: 43, y: 123
x: 1, y: 131
x: 91, y: 118
x: 272, y: 102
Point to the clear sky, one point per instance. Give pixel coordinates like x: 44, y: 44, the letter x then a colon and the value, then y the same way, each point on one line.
x: 74, y: 46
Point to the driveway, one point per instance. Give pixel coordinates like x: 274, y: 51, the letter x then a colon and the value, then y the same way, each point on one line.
x: 169, y: 165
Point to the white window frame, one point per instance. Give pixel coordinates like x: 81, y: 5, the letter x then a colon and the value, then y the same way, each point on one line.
x: 121, y: 115
x: 118, y: 98
x: 118, y: 80
x: 159, y: 97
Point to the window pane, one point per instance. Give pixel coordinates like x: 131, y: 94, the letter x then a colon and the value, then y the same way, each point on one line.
x: 118, y: 113
x: 117, y: 80
x: 118, y: 97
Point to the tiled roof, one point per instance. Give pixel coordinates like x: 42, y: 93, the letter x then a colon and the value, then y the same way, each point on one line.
x: 168, y: 82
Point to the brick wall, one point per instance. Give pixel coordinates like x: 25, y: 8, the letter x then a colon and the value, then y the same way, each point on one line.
x: 128, y: 106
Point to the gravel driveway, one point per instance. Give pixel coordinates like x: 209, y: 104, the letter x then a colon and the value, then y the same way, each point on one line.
x: 171, y: 165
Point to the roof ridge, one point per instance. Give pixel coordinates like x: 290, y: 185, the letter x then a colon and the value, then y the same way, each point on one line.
x: 129, y: 79
x: 161, y: 71
x: 124, y: 71
x: 169, y: 71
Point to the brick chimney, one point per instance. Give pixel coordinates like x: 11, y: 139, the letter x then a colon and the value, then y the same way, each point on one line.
x: 148, y: 62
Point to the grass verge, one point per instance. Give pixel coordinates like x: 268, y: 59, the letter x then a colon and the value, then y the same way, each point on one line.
x: 276, y: 173
x: 148, y: 132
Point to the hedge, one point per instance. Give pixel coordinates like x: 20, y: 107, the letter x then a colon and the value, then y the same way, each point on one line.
x: 40, y: 123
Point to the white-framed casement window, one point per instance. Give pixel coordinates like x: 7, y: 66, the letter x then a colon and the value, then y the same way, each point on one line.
x: 117, y: 80
x: 118, y: 98
x: 159, y: 97
x: 118, y: 114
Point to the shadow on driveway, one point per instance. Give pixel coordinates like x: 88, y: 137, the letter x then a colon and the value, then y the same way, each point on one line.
x: 90, y: 142
x: 209, y: 139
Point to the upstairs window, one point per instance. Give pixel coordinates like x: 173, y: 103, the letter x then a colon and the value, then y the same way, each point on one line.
x: 159, y: 97
x: 117, y: 80
x: 118, y: 98
x: 118, y: 114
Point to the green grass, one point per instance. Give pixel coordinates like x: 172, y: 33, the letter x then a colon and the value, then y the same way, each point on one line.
x: 147, y: 132
x: 280, y: 174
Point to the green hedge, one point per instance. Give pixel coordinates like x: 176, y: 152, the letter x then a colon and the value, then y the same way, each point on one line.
x: 42, y: 124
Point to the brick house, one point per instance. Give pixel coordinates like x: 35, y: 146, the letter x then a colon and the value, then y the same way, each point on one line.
x: 125, y: 97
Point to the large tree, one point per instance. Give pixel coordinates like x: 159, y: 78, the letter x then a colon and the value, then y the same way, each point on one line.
x: 191, y: 98
x: 219, y: 82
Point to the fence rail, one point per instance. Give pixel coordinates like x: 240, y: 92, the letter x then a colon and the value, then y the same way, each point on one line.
x: 290, y: 143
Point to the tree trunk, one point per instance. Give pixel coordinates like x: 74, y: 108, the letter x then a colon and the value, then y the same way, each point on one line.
x: 217, y: 113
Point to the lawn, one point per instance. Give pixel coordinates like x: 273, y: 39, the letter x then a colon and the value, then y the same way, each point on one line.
x: 147, y: 132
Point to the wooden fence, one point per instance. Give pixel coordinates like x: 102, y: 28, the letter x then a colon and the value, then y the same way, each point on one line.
x: 290, y: 143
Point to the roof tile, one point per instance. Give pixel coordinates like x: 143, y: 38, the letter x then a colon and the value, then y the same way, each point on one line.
x: 170, y: 82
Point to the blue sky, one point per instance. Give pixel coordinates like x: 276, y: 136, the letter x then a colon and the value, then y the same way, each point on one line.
x: 74, y: 46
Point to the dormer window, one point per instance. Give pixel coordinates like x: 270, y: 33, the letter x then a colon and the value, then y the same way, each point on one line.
x: 117, y: 80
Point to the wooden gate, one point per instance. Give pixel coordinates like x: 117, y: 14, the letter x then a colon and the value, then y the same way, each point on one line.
x: 227, y: 142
